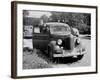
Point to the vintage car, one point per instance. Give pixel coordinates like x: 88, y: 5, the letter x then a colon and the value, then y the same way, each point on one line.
x: 58, y: 40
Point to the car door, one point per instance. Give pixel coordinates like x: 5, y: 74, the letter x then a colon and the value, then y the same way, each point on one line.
x: 40, y: 40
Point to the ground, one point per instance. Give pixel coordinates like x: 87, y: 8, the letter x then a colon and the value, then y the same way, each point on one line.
x: 37, y: 59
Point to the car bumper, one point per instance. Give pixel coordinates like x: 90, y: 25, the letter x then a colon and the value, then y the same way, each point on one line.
x: 66, y: 53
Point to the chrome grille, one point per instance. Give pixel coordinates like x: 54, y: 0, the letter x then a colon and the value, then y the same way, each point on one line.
x: 68, y: 43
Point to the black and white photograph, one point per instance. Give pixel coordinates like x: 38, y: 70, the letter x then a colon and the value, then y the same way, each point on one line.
x: 53, y: 39
x: 56, y: 39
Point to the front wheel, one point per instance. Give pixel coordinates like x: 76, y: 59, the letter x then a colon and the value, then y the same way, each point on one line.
x: 79, y: 57
x: 50, y: 53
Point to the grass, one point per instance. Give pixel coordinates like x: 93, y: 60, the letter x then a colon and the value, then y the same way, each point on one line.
x: 31, y: 60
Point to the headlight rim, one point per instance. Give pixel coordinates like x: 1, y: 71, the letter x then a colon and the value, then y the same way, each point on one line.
x: 78, y: 40
x: 59, y: 41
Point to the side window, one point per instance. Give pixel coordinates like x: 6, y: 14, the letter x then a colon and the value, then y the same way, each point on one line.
x: 41, y: 29
x: 45, y: 30
x: 36, y: 30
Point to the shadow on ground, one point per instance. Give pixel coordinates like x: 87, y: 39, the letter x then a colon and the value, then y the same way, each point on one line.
x: 63, y: 60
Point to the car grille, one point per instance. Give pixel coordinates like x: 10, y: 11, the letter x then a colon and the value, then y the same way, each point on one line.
x: 68, y: 43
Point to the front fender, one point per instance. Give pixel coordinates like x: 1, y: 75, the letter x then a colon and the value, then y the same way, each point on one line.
x: 52, y: 44
x: 82, y: 48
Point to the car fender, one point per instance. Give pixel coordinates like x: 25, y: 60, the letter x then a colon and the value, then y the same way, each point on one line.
x: 52, y: 44
x: 81, y: 47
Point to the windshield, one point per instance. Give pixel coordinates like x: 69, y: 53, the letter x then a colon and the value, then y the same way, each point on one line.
x: 59, y: 29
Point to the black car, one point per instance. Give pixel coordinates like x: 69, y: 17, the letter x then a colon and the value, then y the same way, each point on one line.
x: 59, y: 40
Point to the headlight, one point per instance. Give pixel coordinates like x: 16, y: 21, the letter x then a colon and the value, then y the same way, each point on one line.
x: 59, y: 41
x: 78, y: 41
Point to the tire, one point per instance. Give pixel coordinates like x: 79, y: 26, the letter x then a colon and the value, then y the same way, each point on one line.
x: 50, y: 53
x: 42, y: 51
x: 79, y: 57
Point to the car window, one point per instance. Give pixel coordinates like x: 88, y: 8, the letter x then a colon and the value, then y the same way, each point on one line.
x: 44, y: 29
x: 59, y: 29
x: 36, y: 30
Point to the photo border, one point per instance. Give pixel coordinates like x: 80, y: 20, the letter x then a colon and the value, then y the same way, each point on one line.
x: 14, y: 37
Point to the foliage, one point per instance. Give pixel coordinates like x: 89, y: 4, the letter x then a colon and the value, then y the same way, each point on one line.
x: 81, y: 21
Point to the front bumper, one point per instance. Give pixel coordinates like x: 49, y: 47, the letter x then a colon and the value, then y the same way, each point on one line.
x: 67, y: 53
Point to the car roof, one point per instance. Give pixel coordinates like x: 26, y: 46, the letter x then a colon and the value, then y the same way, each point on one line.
x: 57, y: 23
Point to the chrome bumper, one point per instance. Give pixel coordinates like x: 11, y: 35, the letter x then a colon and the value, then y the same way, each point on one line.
x: 69, y: 54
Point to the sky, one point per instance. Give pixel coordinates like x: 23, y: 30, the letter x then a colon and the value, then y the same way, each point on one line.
x: 38, y: 14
